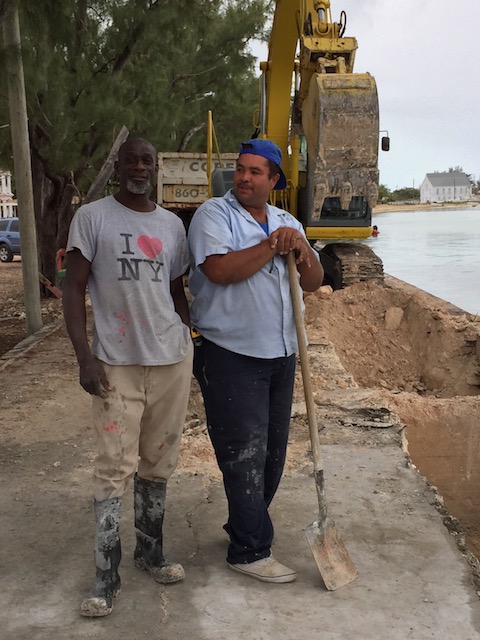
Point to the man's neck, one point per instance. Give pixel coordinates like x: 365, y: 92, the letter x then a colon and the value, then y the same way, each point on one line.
x: 136, y: 202
x: 258, y: 214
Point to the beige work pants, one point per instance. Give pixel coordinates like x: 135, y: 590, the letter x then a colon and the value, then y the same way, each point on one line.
x: 139, y: 423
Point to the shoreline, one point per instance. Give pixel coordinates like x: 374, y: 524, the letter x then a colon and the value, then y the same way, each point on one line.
x: 417, y: 206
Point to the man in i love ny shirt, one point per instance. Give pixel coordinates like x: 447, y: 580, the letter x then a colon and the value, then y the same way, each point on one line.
x: 131, y: 254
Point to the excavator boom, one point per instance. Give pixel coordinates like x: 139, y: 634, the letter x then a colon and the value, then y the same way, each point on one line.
x: 324, y: 117
x: 329, y: 132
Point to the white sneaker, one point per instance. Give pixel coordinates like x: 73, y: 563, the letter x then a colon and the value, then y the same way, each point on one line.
x: 266, y: 570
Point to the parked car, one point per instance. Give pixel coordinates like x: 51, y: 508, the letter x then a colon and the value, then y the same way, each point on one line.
x: 9, y: 239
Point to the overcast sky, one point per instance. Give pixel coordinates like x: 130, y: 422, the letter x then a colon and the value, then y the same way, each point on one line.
x: 424, y: 55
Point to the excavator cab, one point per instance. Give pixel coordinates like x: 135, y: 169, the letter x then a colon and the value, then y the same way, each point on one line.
x: 340, y: 122
x: 325, y: 119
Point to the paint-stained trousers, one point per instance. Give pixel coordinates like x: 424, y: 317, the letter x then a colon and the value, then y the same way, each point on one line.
x: 139, y: 424
x: 248, y: 404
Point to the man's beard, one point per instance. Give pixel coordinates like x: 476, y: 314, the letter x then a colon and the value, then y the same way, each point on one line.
x: 139, y: 188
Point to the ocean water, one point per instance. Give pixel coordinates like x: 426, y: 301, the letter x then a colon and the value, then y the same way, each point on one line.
x: 435, y: 250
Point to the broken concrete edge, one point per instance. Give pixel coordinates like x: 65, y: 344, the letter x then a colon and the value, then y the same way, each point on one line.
x: 452, y: 524
x: 28, y: 343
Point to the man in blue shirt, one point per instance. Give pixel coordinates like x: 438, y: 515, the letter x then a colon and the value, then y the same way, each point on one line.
x: 245, y: 364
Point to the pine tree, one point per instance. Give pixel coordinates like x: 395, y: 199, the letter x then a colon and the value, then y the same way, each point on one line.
x: 154, y: 66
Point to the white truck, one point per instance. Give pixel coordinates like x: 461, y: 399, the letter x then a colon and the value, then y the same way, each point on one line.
x: 182, y: 183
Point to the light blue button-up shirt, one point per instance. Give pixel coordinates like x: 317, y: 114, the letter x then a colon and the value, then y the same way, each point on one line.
x: 253, y: 317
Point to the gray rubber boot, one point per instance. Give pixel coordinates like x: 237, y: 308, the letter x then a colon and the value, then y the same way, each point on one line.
x: 99, y: 602
x: 149, y: 511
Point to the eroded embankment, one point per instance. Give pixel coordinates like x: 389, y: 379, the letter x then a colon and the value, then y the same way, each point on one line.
x: 424, y: 356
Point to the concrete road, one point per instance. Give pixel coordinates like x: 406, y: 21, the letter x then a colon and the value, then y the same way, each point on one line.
x: 413, y: 581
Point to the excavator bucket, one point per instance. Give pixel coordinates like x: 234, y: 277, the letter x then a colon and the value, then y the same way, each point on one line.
x: 341, y: 122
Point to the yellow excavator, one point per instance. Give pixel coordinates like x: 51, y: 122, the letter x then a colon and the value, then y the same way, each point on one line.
x: 325, y: 119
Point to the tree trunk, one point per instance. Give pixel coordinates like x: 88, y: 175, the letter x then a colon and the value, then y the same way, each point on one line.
x: 48, y: 233
x: 53, y: 212
x: 65, y: 215
x: 53, y: 205
x: 98, y: 185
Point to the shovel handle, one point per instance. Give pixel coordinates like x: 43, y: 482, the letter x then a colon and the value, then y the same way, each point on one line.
x: 333, y: 561
x: 304, y: 364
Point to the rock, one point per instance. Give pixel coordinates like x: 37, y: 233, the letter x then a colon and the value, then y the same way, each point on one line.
x: 419, y: 386
x: 298, y: 409
x: 325, y: 291
x: 434, y: 378
x: 393, y: 318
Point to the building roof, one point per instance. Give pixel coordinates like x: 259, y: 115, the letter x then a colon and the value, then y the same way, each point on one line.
x: 449, y: 179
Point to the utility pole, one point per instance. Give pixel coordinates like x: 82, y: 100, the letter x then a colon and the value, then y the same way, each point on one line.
x: 23, y: 170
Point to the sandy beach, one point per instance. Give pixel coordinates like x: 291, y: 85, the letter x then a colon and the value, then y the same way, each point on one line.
x: 396, y: 206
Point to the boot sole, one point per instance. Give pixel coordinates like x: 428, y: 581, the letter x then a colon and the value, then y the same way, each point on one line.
x: 289, y: 577
x: 92, y: 607
x: 141, y: 564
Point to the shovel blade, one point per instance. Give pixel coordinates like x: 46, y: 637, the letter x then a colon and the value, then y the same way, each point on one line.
x: 331, y: 556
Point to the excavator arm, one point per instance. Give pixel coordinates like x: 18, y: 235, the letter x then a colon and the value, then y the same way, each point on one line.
x: 324, y: 117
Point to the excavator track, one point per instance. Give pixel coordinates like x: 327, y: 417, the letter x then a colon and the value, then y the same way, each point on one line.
x: 349, y: 262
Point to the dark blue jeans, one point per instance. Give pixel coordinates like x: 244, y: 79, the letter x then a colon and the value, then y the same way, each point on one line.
x: 248, y: 405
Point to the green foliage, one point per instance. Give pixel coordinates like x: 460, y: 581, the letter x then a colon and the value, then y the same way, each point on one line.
x: 384, y: 193
x: 407, y: 193
x: 155, y: 66
x: 398, y: 195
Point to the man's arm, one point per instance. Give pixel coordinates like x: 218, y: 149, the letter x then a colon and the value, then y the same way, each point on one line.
x: 92, y: 376
x: 177, y: 291
x: 236, y: 266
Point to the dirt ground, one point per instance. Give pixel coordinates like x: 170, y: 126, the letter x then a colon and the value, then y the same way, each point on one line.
x: 422, y: 357
x: 12, y: 309
x: 413, y: 359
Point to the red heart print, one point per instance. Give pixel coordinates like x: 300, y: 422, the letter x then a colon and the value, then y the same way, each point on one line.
x: 151, y: 247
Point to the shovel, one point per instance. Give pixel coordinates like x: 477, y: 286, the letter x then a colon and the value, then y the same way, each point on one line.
x: 331, y: 556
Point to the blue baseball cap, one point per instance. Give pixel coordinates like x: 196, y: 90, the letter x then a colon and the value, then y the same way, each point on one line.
x: 269, y: 150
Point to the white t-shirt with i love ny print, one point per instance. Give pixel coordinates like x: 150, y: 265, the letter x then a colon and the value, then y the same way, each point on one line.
x: 134, y: 257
